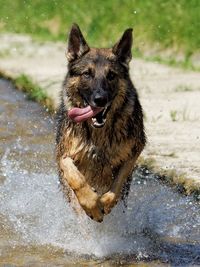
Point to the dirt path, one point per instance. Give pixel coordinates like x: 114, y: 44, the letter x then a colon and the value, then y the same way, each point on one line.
x: 170, y: 98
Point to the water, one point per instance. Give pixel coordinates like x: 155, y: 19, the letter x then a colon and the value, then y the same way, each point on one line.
x: 38, y: 227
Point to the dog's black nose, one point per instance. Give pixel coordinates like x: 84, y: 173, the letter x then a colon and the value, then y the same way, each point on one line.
x: 100, y: 100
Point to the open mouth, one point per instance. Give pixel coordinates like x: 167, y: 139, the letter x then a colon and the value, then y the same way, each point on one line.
x: 96, y: 114
x: 99, y: 119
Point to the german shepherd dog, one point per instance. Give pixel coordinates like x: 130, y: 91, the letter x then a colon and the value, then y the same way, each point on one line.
x: 100, y: 131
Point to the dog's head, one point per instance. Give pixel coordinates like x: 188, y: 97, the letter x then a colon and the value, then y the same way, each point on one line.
x: 95, y: 76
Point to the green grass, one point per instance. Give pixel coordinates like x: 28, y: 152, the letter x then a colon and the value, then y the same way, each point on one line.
x: 33, y: 91
x: 173, y: 115
x: 184, y: 88
x: 185, y: 63
x: 167, y: 24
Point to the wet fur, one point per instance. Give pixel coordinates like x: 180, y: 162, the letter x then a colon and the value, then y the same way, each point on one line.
x: 99, y: 154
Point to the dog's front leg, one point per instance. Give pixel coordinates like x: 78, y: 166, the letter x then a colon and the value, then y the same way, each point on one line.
x: 109, y: 199
x: 88, y: 199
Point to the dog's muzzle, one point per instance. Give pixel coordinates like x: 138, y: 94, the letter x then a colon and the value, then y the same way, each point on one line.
x: 96, y: 114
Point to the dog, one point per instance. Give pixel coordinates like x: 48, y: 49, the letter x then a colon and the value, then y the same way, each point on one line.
x: 100, y: 131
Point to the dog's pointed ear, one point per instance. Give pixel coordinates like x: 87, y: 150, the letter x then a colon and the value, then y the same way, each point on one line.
x: 122, y: 49
x: 77, y: 45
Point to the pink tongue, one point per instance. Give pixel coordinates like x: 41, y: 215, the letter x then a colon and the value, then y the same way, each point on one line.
x: 82, y: 114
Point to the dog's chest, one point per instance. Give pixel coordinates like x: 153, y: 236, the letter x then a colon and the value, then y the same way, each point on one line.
x: 98, y: 159
x: 113, y: 154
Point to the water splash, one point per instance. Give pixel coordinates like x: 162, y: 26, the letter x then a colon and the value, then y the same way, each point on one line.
x: 34, y: 204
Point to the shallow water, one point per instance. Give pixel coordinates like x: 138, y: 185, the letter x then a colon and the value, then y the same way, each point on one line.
x: 38, y: 227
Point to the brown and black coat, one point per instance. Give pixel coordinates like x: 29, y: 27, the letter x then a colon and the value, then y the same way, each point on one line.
x: 96, y: 162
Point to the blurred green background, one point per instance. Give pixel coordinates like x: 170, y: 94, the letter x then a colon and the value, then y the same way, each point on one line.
x: 157, y: 23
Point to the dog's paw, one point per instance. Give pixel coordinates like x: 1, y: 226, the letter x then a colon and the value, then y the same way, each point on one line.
x: 89, y: 201
x: 108, y: 201
x: 65, y: 162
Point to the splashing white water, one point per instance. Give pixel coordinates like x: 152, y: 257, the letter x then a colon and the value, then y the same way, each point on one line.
x: 34, y: 204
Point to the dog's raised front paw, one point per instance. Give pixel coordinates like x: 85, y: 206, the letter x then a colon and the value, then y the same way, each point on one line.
x: 108, y: 201
x: 89, y: 201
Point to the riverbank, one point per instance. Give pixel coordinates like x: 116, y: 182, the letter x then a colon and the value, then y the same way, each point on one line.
x: 169, y: 97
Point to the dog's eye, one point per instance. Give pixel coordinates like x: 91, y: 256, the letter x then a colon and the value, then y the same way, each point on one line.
x: 87, y: 74
x: 111, y: 75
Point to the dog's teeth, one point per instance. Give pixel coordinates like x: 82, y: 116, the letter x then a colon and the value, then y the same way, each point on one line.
x: 97, y: 124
